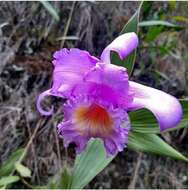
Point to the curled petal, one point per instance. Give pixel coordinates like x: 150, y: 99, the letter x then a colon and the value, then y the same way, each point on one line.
x: 123, y: 45
x: 165, y: 107
x: 70, y: 67
x: 39, y: 100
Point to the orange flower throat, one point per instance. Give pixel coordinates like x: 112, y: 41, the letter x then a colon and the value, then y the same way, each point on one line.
x: 93, y: 121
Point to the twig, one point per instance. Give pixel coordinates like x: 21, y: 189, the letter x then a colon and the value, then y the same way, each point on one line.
x: 68, y: 24
x: 30, y: 141
x: 135, y: 175
x: 33, y: 151
x: 26, y: 183
x: 58, y: 148
x: 183, y: 134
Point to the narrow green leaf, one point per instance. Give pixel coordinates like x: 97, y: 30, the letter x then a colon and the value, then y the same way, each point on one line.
x: 22, y: 170
x: 131, y: 26
x: 7, y: 180
x: 180, y: 18
x: 153, y: 144
x: 143, y: 121
x: 158, y: 22
x: 50, y: 9
x: 87, y: 165
x: 8, y: 166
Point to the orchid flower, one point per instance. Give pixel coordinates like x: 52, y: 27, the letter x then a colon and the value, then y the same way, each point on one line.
x: 98, y: 96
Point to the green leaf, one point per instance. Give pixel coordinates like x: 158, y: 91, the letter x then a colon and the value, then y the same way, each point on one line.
x: 50, y: 9
x: 180, y: 18
x: 153, y: 33
x: 22, y: 170
x: 131, y: 26
x: 153, y: 144
x: 65, y: 179
x: 156, y: 27
x: 7, y: 180
x: 9, y: 165
x: 143, y: 121
x: 61, y: 181
x: 157, y: 22
x: 87, y: 165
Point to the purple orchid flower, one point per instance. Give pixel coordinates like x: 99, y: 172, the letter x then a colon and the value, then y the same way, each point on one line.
x: 99, y: 94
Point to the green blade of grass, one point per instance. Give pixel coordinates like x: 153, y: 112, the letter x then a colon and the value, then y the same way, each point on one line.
x: 51, y: 10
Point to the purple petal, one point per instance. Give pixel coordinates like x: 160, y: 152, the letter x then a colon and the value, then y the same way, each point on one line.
x: 107, y: 82
x: 118, y: 140
x: 67, y: 131
x: 78, y: 129
x: 113, y: 76
x: 81, y: 143
x: 39, y: 100
x: 110, y: 147
x: 165, y: 107
x: 123, y: 45
x: 70, y: 67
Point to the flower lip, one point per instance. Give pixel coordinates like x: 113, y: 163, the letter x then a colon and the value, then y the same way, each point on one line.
x: 87, y: 117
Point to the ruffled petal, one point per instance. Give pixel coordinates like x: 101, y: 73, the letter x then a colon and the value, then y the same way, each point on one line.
x: 113, y: 76
x: 103, y: 93
x: 70, y: 67
x: 67, y: 131
x: 107, y: 82
x: 39, y: 100
x: 123, y: 45
x: 118, y: 140
x: 87, y: 118
x: 110, y: 147
x: 165, y: 107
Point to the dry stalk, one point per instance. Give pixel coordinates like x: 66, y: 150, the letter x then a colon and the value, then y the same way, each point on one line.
x: 68, y: 24
x: 135, y: 175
